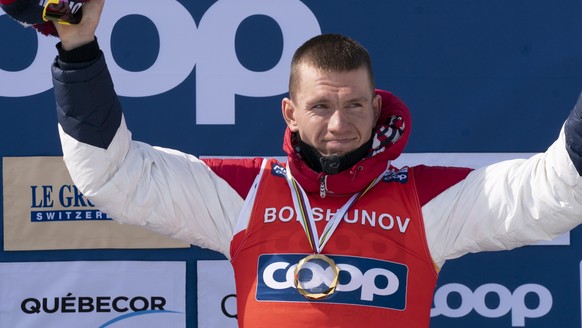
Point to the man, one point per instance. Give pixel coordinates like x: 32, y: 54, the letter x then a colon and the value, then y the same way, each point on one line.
x: 337, y: 215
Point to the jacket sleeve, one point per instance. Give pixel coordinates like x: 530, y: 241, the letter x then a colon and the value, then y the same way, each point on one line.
x: 508, y: 204
x: 163, y: 190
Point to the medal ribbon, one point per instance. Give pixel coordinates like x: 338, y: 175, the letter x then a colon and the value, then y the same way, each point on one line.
x: 303, y: 209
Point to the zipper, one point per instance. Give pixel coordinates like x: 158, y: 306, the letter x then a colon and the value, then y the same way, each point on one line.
x: 323, y: 186
x: 355, y: 171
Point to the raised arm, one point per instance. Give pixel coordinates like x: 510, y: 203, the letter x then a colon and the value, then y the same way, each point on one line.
x: 511, y: 203
x: 163, y: 190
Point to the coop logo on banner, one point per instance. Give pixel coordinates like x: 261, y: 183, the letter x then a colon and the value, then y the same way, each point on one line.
x: 93, y: 294
x: 510, y: 302
x: 209, y: 45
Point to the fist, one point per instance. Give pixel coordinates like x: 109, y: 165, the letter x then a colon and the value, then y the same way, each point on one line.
x: 30, y: 12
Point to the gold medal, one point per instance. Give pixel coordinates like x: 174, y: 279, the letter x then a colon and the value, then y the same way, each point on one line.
x: 316, y: 276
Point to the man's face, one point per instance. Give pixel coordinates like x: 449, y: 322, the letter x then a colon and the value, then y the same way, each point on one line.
x: 334, y: 112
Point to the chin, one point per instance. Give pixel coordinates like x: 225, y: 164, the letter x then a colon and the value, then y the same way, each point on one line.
x: 338, y: 149
x: 339, y: 153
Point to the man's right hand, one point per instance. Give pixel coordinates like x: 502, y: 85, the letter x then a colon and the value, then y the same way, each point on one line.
x: 73, y: 36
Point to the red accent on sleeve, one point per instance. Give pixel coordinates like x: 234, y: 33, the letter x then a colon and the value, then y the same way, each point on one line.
x: 433, y: 180
x: 239, y: 173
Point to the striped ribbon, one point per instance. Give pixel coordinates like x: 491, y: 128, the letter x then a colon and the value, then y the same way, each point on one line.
x: 303, y: 209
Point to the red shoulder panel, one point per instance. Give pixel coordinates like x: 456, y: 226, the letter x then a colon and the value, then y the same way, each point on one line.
x: 433, y: 180
x: 239, y: 173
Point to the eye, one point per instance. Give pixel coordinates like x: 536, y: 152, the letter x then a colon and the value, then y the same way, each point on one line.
x: 355, y: 105
x: 319, y: 106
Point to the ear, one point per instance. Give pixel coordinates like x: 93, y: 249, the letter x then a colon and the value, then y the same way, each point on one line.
x: 377, y: 106
x: 289, y: 114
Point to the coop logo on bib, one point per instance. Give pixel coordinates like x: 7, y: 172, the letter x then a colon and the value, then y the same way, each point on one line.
x: 362, y: 281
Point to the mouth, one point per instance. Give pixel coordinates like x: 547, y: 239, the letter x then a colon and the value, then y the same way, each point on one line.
x: 343, y: 141
x: 340, y: 146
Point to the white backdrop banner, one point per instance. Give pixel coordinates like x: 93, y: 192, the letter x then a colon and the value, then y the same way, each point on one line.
x: 216, y: 295
x: 100, y: 294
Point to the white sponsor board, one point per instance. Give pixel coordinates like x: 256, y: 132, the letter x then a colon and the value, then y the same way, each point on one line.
x: 99, y: 294
x: 217, y: 299
x: 216, y: 295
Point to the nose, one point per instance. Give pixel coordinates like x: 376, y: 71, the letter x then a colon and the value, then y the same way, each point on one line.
x: 337, y: 121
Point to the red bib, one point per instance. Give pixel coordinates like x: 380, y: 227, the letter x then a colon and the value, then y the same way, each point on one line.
x: 387, y: 277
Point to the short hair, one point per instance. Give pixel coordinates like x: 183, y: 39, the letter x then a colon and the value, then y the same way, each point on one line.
x: 330, y: 52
